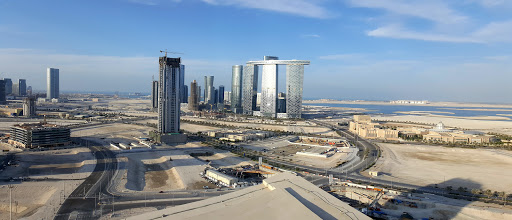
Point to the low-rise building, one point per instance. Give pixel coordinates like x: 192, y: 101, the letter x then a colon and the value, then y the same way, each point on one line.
x: 222, y: 178
x: 39, y: 135
x: 459, y: 137
x: 363, y: 127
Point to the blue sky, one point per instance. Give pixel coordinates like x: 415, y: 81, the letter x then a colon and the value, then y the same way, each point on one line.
x: 441, y: 50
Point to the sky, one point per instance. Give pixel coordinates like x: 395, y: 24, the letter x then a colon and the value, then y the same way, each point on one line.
x: 438, y: 50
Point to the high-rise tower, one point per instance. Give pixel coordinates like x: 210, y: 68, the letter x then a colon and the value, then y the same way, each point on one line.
x: 8, y: 86
x: 250, y: 89
x: 52, y: 83
x: 209, y: 90
x: 22, y: 86
x: 236, y: 89
x: 168, y: 95
x: 183, y: 88
x: 29, y: 107
x: 2, y: 92
x: 154, y: 95
x: 193, y: 100
x: 269, y: 83
x: 221, y: 94
x: 294, y: 84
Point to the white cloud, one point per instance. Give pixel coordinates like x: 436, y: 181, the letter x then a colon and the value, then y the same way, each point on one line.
x: 306, y: 8
x: 430, y: 10
x: 490, y: 33
x: 493, y: 3
x: 495, y: 32
x: 341, y: 57
x: 397, y: 32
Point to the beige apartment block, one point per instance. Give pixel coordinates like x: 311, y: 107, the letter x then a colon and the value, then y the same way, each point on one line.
x: 363, y: 127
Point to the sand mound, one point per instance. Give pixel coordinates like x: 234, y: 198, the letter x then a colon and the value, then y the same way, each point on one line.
x: 225, y: 160
x: 60, y: 166
x: 157, y: 160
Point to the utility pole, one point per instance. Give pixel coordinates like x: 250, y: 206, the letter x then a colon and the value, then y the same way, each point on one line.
x: 10, y: 201
x: 101, y: 206
x: 113, y: 206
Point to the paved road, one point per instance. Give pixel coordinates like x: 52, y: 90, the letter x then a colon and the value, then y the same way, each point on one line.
x: 94, y: 195
x: 79, y: 200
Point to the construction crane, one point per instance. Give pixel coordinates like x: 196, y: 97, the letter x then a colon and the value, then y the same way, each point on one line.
x: 165, y: 51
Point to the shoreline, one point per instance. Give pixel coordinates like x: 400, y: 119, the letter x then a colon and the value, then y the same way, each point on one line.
x: 434, y: 104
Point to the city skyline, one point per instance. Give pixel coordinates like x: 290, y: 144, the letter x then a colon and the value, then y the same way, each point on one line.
x: 445, y: 51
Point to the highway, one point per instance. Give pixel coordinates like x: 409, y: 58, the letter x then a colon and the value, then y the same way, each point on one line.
x: 94, y: 197
x: 80, y: 199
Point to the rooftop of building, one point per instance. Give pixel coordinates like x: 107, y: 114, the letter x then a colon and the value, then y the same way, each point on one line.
x: 35, y: 126
x: 284, y: 196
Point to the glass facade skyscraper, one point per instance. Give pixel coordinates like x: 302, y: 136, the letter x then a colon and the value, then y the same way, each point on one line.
x: 236, y: 89
x: 22, y: 87
x: 52, y: 83
x: 168, y: 95
x: 294, y: 84
x: 154, y: 94
x: 250, y: 89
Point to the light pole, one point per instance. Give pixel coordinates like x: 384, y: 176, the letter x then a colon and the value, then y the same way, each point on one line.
x: 10, y: 201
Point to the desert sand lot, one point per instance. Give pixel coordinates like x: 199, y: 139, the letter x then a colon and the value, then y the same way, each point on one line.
x: 439, y: 104
x: 292, y: 128
x: 39, y: 200
x: 438, y: 207
x: 504, y: 127
x: 117, y: 132
x: 170, y: 168
x: 428, y: 165
x: 281, y: 147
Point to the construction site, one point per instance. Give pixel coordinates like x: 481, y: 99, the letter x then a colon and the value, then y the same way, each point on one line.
x: 238, y: 177
x: 380, y: 203
x: 39, y: 135
x: 318, y: 152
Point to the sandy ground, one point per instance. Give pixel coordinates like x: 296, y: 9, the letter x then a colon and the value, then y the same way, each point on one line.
x: 226, y: 159
x: 434, y: 206
x: 8, y: 147
x: 117, y: 132
x: 39, y: 200
x: 504, y: 127
x: 440, y: 104
x: 169, y: 168
x: 280, y: 147
x: 149, y: 171
x: 436, y: 114
x: 193, y: 128
x: 329, y: 162
x: 292, y: 128
x: 429, y: 165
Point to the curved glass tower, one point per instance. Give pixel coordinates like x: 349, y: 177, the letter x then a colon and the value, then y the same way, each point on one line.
x: 236, y: 89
